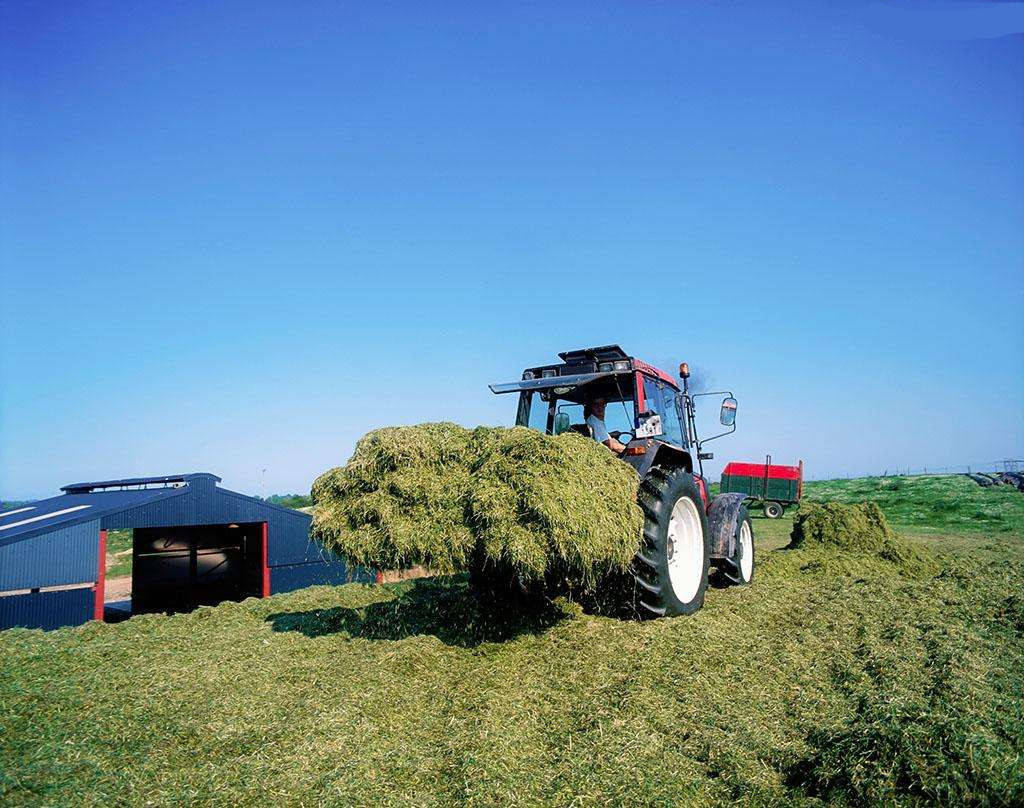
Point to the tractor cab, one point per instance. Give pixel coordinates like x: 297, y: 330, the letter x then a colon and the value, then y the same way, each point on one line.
x: 645, y: 408
x: 651, y: 424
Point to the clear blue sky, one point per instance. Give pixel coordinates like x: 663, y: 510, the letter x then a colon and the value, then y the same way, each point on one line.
x: 237, y: 236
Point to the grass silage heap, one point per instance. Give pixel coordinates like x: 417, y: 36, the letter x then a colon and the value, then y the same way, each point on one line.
x: 508, y: 501
x: 857, y: 529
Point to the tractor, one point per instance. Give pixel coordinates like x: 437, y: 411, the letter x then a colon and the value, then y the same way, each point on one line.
x: 686, y: 533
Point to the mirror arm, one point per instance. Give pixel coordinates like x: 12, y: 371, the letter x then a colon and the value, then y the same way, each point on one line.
x: 714, y: 393
x: 700, y: 443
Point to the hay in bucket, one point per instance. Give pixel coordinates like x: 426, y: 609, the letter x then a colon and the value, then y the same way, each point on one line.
x: 512, y: 501
x: 559, y: 508
x: 400, y: 501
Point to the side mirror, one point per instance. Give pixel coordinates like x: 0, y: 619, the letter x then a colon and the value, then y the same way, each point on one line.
x: 561, y: 422
x: 728, y: 416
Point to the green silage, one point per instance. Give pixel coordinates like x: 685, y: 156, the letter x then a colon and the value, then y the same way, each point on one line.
x: 859, y: 528
x: 834, y: 679
x: 513, y: 502
x: 817, y: 685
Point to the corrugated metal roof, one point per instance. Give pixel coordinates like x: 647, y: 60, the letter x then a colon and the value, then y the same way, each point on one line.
x: 72, y: 508
x: 75, y: 488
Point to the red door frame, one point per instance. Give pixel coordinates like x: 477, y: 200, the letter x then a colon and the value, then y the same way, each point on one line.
x: 266, y: 567
x: 100, y: 589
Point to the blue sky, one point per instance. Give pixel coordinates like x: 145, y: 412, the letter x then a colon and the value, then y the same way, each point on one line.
x: 237, y: 236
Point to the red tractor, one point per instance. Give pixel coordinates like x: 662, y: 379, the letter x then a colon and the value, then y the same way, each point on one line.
x: 652, y: 418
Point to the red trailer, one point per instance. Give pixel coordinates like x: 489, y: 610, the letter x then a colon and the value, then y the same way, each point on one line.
x: 770, y: 485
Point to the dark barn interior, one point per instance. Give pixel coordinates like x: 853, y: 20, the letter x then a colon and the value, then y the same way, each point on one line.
x: 176, y: 569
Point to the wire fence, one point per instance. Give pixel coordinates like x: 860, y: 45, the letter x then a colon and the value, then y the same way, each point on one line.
x: 920, y: 471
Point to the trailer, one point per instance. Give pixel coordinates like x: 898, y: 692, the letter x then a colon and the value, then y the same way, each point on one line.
x: 770, y: 486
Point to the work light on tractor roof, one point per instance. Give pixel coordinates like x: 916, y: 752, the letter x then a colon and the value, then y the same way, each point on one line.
x: 685, y: 532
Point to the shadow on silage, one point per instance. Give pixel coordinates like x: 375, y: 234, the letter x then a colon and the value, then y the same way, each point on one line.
x: 445, y: 607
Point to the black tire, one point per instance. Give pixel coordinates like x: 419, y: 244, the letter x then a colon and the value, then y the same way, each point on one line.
x: 773, y: 510
x: 660, y: 491
x: 730, y: 572
x: 744, y: 520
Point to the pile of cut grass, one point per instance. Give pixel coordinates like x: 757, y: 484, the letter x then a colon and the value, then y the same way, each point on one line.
x: 849, y: 684
x: 857, y: 528
x: 508, y: 502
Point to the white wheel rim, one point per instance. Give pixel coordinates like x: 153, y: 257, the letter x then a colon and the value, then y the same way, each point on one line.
x: 746, y: 551
x: 684, y: 547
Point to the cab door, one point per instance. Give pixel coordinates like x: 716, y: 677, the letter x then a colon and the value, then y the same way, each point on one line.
x: 663, y: 399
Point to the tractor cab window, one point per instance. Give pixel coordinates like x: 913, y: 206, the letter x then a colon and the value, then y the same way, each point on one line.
x: 618, y: 414
x: 533, y: 412
x: 652, y: 398
x: 572, y: 410
x: 660, y: 398
x: 672, y: 424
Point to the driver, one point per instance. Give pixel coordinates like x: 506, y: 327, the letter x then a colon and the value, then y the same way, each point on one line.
x: 594, y: 413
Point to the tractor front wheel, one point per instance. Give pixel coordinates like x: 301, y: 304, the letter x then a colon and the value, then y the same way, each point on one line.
x: 773, y: 510
x: 671, y: 568
x: 745, y: 548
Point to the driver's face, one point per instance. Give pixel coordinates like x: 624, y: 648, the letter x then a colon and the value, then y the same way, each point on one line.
x: 598, y: 408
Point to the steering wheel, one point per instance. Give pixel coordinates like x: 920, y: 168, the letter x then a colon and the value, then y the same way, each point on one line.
x: 618, y: 436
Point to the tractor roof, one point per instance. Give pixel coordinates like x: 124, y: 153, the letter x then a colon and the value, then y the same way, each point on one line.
x: 610, y: 352
x: 613, y: 353
x: 583, y: 366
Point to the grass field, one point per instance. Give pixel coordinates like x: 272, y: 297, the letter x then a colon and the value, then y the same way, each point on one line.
x: 833, y: 679
x: 119, y: 542
x: 934, y: 504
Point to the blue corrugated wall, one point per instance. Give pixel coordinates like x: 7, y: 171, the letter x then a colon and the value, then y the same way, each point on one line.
x: 69, y: 555
x: 299, y: 576
x: 47, y: 610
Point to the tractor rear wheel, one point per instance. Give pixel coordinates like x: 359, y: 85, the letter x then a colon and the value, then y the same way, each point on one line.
x: 773, y: 510
x: 671, y: 568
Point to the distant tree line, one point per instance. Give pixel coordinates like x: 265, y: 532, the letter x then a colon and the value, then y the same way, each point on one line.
x: 290, y: 500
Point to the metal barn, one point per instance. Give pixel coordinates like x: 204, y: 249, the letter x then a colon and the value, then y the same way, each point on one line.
x: 194, y: 544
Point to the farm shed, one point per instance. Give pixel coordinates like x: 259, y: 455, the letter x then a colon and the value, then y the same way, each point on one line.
x: 194, y: 544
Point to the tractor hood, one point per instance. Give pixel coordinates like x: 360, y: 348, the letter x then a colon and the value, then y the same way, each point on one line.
x: 568, y: 382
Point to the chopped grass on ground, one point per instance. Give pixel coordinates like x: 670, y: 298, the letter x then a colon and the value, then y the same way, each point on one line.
x: 836, y: 678
x: 849, y: 686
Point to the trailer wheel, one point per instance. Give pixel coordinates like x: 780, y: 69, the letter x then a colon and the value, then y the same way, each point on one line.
x: 671, y: 568
x: 773, y: 510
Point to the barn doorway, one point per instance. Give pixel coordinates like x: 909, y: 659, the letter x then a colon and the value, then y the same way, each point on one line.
x: 176, y: 569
